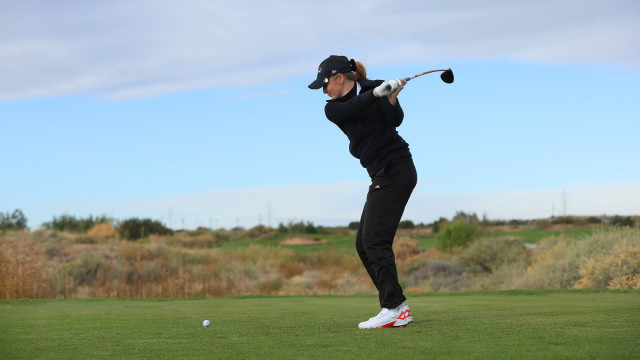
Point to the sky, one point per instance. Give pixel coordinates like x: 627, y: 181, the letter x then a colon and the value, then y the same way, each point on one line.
x: 197, y: 113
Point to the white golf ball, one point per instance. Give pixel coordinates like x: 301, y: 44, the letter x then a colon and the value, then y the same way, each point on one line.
x: 206, y: 323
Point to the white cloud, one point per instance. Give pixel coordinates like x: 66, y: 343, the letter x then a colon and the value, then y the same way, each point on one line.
x: 603, y: 199
x: 128, y: 49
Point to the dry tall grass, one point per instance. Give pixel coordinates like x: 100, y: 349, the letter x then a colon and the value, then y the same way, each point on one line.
x: 46, y: 264
x: 49, y: 264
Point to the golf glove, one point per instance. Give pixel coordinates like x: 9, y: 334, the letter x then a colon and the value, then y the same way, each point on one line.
x: 386, y: 88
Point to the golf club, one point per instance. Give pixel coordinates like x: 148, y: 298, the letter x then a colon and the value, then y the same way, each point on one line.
x: 446, y: 76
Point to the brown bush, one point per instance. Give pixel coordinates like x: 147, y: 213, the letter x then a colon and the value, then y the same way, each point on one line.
x: 404, y: 248
x: 290, y: 269
x: 197, y: 241
x: 488, y: 254
x: 618, y: 270
x: 103, y: 231
x: 47, y: 264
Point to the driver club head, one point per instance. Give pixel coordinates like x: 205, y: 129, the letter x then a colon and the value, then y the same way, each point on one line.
x: 447, y: 76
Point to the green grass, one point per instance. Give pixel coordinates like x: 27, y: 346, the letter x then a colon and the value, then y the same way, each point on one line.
x: 343, y: 243
x: 497, y: 325
x: 427, y: 243
x: 346, y: 244
x: 531, y: 236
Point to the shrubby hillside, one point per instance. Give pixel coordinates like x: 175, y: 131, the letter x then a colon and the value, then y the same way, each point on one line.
x: 299, y: 258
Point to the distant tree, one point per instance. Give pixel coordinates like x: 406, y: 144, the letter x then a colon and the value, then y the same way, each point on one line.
x: 463, y: 216
x: 310, y: 228
x: 72, y: 224
x: 354, y: 225
x: 622, y: 221
x: 14, y: 221
x: 406, y: 224
x: 456, y: 234
x: 134, y: 229
x: 543, y: 224
x: 439, y: 225
x: 299, y: 227
x: 566, y: 220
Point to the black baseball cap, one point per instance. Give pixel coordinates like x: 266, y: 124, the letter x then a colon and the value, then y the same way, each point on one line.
x: 331, y: 66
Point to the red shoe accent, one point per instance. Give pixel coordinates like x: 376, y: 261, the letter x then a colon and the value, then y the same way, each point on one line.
x: 387, y: 325
x: 404, y: 315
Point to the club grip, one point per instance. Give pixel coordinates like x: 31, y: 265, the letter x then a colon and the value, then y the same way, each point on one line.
x: 388, y: 87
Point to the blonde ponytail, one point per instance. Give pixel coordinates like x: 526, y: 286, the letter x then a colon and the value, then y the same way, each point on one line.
x: 360, y: 73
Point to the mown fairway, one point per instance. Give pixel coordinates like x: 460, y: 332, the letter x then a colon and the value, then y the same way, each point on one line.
x: 509, y: 325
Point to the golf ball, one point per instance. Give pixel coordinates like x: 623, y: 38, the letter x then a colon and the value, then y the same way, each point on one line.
x: 206, y: 323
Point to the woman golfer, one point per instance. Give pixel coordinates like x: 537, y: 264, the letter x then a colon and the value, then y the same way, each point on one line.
x: 368, y: 112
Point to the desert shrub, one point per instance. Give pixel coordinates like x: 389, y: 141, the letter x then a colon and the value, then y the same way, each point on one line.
x: 324, y: 283
x: 85, y: 239
x: 622, y: 221
x: 290, y: 269
x: 128, y: 251
x: 103, y: 230
x: 51, y: 249
x: 134, y: 229
x: 440, y: 275
x: 554, y: 266
x: 85, y: 270
x: 270, y: 286
x: 543, y: 224
x: 196, y: 240
x: 405, y: 247
x: 437, y: 267
x: 450, y: 283
x: 491, y: 253
x: 557, y: 264
x: 503, y: 277
x: 620, y: 269
x: 260, y: 231
x: 456, y: 234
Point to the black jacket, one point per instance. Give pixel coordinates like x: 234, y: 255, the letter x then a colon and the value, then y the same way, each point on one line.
x: 370, y: 124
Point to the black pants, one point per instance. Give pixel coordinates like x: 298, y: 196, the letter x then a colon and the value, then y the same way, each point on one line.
x: 388, y: 195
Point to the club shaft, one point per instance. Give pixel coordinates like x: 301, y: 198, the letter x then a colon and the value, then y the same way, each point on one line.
x: 388, y: 87
x: 424, y: 73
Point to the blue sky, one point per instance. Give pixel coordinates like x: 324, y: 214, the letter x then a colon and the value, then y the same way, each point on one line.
x: 199, y: 114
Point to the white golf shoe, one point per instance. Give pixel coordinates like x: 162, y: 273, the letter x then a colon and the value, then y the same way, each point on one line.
x: 398, y: 317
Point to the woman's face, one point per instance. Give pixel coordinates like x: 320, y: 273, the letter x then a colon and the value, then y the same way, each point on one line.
x: 335, y: 87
